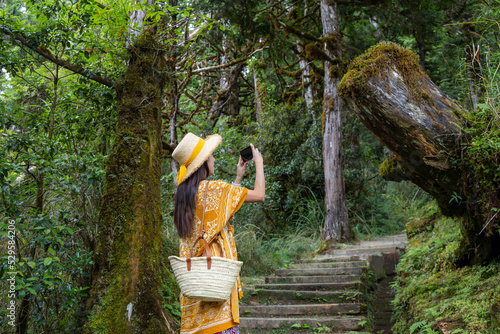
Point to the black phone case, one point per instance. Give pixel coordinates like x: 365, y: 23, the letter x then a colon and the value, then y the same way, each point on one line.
x: 246, y: 153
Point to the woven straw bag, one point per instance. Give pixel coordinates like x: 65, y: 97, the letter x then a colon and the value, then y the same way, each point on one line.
x: 205, y: 278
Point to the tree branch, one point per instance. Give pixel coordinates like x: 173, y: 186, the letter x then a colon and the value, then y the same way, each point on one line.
x: 100, y: 5
x: 61, y: 62
x: 231, y: 63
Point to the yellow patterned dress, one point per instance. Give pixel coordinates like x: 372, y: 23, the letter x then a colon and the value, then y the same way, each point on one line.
x: 223, y: 200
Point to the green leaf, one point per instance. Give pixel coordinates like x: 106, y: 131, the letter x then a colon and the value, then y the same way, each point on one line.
x: 47, y: 261
x: 362, y: 323
x: 52, y: 251
x: 416, y: 326
x: 32, y: 264
x: 33, y: 292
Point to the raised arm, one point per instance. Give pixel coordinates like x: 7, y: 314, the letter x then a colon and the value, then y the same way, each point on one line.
x: 259, y: 189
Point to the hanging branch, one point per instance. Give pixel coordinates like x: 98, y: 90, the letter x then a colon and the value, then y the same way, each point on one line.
x: 61, y: 62
x: 231, y: 63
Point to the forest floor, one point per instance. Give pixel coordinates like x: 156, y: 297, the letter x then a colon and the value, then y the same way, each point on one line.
x: 345, y: 291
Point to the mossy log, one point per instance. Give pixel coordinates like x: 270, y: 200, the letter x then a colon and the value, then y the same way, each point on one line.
x: 129, y: 268
x: 419, y: 124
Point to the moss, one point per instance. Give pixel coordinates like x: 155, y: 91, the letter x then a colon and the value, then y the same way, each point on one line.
x: 276, y: 25
x: 261, y: 65
x: 292, y: 74
x: 292, y: 30
x: 335, y: 71
x: 387, y: 166
x: 293, y: 14
x: 376, y: 61
x: 331, y: 41
x: 430, y: 288
x: 317, y: 70
x: 130, y: 235
x: 420, y: 225
x: 316, y: 53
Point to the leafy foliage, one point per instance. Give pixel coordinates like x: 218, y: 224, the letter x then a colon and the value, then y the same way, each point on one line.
x: 57, y: 130
x: 51, y: 183
x: 430, y: 289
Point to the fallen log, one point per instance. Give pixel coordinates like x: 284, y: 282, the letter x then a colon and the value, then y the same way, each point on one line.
x: 420, y: 125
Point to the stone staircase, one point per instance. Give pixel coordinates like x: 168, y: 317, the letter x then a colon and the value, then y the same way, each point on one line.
x: 322, y: 295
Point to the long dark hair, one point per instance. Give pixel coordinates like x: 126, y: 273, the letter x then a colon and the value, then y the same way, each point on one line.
x: 185, y: 201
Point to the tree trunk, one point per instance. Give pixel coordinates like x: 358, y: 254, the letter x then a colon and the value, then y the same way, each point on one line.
x: 336, y: 226
x: 422, y: 51
x: 418, y: 123
x: 257, y: 90
x: 136, y: 22
x: 129, y: 268
x: 306, y: 74
x: 473, y: 62
x: 306, y: 82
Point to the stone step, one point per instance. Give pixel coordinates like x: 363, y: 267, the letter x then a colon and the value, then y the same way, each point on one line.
x: 334, y: 323
x: 335, y: 286
x: 319, y: 271
x: 401, y: 237
x: 314, y: 279
x: 398, y: 244
x: 301, y: 310
x: 366, y: 250
x: 269, y: 297
x: 311, y: 265
x: 311, y: 330
x: 336, y: 258
x: 387, y: 243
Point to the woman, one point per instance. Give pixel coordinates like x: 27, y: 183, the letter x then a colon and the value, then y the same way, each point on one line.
x: 223, y: 200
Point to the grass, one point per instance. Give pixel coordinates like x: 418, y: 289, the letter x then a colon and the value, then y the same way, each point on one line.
x: 433, y: 293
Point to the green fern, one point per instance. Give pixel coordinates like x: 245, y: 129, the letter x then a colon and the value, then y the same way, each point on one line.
x: 417, y: 325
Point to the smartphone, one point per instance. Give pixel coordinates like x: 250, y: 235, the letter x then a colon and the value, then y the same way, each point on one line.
x: 246, y: 154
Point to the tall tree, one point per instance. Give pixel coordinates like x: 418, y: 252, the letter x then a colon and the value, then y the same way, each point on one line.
x: 128, y: 271
x: 336, y: 226
x: 127, y: 275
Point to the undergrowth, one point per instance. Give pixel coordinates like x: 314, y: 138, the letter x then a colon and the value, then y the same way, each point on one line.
x: 262, y: 253
x: 432, y: 294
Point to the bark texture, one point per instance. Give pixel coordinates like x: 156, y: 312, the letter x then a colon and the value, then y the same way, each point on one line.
x: 336, y: 226
x: 408, y: 113
x: 129, y: 269
x: 257, y: 89
x: 306, y: 80
x: 419, y: 124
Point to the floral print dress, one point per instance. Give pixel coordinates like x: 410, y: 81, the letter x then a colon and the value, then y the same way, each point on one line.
x: 223, y: 200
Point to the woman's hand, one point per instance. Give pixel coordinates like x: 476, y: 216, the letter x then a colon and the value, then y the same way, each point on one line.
x: 259, y: 190
x: 257, y: 156
x: 240, y: 170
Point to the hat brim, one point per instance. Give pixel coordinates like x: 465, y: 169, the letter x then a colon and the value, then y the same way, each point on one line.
x: 211, y: 143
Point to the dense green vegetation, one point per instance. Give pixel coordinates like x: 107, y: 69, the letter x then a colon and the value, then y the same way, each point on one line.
x: 57, y: 130
x: 432, y: 293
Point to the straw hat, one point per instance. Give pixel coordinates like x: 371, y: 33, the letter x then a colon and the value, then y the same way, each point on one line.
x: 192, y: 152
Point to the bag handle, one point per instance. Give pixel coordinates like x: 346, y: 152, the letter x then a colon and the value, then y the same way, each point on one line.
x: 201, y: 236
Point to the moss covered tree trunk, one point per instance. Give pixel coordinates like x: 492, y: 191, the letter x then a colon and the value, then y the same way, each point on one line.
x: 419, y: 124
x: 336, y: 227
x: 129, y: 268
